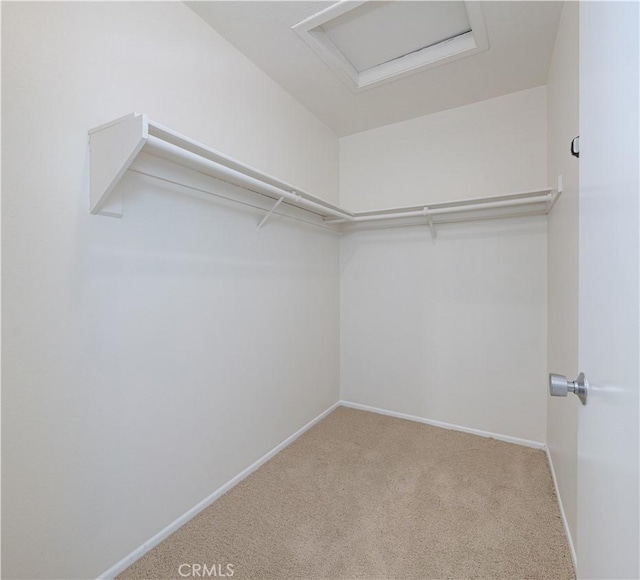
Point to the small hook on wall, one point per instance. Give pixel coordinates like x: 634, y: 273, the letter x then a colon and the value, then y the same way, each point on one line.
x: 575, y: 146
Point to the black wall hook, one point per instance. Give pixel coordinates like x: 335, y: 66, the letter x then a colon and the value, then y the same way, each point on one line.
x: 575, y: 146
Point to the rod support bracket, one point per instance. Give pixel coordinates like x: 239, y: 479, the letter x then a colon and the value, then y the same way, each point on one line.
x: 429, y: 217
x: 268, y: 214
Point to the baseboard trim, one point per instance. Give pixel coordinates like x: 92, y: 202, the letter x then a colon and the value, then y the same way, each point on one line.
x: 136, y: 554
x: 498, y: 436
x: 123, y: 564
x: 565, y: 523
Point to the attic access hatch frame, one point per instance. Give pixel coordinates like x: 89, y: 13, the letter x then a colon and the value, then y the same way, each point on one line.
x: 311, y: 32
x: 115, y: 146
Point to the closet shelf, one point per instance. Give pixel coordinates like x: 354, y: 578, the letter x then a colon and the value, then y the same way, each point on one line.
x: 526, y: 203
x: 115, y: 146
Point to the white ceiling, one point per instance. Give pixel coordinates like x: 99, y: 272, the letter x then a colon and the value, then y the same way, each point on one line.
x: 521, y: 37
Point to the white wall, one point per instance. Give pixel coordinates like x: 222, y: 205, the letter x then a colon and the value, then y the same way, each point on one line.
x: 488, y: 148
x: 453, y: 331
x: 562, y: 414
x: 147, y: 360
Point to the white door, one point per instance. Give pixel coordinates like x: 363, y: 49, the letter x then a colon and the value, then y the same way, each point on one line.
x: 608, y: 536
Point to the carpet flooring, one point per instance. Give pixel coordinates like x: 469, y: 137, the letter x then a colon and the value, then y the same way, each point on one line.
x: 362, y: 495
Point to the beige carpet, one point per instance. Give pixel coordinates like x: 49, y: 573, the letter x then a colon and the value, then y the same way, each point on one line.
x: 362, y: 495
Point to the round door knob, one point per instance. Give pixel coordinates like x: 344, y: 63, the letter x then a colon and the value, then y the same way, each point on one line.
x: 559, y: 386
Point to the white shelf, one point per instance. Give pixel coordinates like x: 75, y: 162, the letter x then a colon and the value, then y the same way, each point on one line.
x: 115, y: 146
x: 526, y: 203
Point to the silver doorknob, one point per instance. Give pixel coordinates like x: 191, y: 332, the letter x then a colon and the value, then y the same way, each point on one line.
x: 559, y: 386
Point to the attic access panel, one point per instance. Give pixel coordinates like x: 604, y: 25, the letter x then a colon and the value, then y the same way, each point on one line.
x: 369, y: 43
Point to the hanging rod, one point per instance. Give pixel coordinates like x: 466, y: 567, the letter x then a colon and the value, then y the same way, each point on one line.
x: 316, y: 223
x: 544, y: 196
x: 115, y: 146
x: 159, y: 148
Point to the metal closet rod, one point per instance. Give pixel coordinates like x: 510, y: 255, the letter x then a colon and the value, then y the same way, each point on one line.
x: 545, y: 196
x: 317, y: 224
x: 160, y: 148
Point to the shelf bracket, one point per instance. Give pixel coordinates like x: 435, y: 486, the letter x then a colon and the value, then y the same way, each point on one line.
x: 553, y: 197
x: 113, y: 147
x: 268, y: 215
x: 432, y: 227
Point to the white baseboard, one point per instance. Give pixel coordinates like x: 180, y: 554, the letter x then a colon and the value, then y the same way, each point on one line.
x: 498, y: 436
x: 565, y: 523
x: 123, y: 564
x: 128, y: 560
